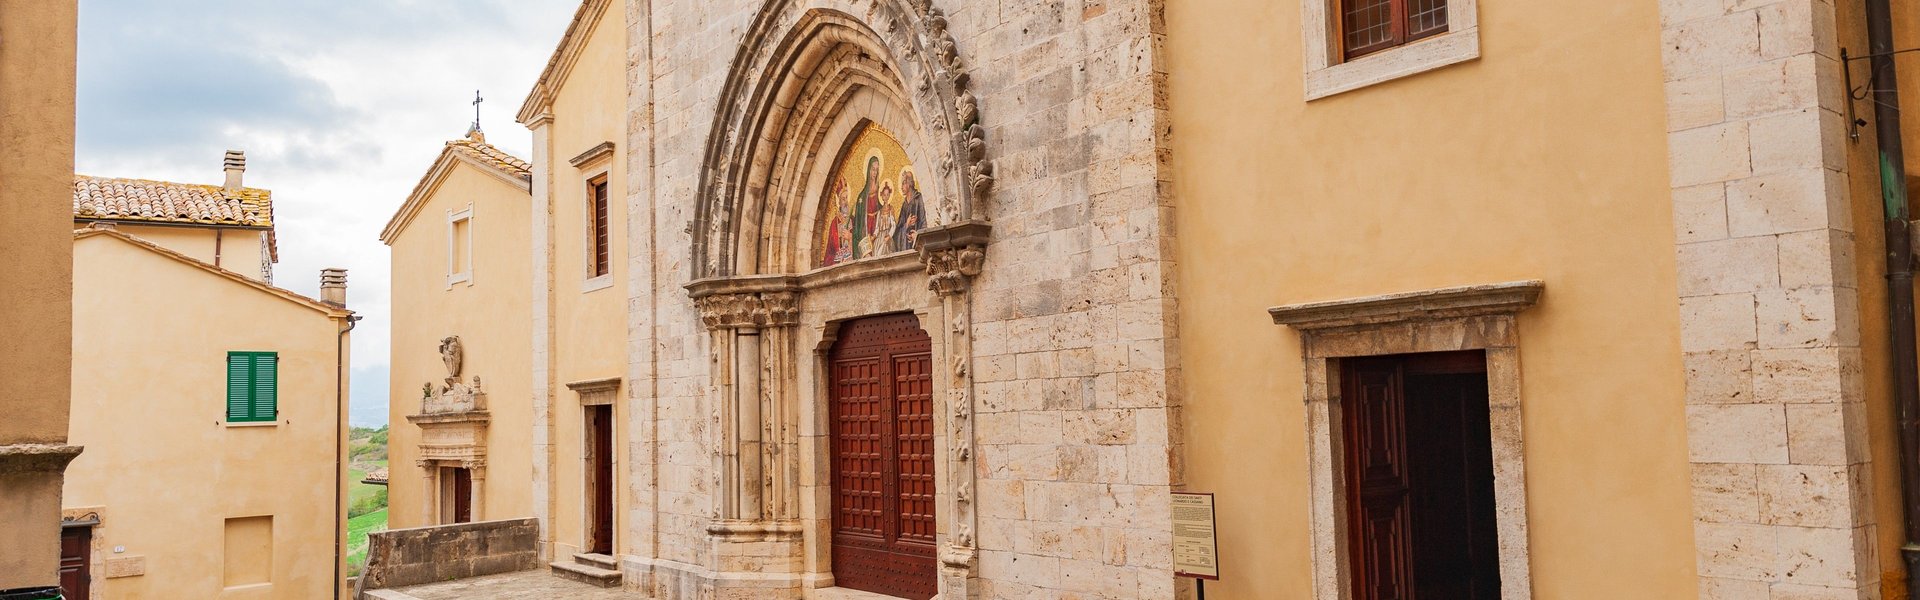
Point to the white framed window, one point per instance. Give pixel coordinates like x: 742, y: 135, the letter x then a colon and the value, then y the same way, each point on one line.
x: 1352, y: 44
x: 460, y: 246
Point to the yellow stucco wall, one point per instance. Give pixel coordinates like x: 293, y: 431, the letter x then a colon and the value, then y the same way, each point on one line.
x: 236, y: 250
x: 1507, y: 168
x: 590, y: 325
x: 152, y: 334
x: 37, y: 46
x: 490, y: 313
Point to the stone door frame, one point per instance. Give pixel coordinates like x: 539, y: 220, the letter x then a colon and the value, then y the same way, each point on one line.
x: 1444, y: 320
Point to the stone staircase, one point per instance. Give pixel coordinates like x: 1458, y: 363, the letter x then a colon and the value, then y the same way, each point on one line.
x: 596, y: 569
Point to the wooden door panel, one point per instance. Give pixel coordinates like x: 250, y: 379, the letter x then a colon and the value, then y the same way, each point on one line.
x: 76, y: 558
x: 1419, y: 478
x: 880, y: 412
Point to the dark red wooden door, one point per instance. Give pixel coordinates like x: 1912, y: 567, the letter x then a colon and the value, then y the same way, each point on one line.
x: 1419, y: 470
x: 462, y: 496
x: 881, y: 412
x: 600, y: 420
x: 76, y: 558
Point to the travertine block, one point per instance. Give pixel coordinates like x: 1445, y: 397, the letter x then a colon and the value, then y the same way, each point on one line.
x: 1783, y: 85
x: 1737, y: 551
x: 1737, y: 433
x: 1695, y: 102
x: 1726, y: 493
x: 1710, y: 44
x: 1806, y: 495
x: 1719, y: 377
x: 1717, y: 323
x: 1805, y: 375
x: 1739, y: 265
x: 1700, y: 213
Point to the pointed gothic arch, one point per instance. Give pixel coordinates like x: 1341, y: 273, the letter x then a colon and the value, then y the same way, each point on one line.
x: 805, y: 63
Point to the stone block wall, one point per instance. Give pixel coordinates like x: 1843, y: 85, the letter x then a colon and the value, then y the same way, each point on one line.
x: 401, y: 557
x: 1770, y: 325
x: 1075, y: 357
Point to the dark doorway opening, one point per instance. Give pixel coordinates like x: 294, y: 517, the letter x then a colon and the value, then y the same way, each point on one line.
x: 462, y: 495
x: 880, y: 413
x: 1419, y: 477
x: 76, y: 561
x: 600, y: 478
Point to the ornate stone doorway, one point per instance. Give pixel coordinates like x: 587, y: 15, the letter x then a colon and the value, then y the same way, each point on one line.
x: 881, y: 417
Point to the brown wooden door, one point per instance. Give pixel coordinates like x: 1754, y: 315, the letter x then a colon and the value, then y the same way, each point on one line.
x: 76, y: 562
x: 600, y: 435
x: 462, y: 496
x: 1419, y: 477
x: 881, y: 414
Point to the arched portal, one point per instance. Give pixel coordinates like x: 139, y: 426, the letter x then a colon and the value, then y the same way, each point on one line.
x: 842, y: 181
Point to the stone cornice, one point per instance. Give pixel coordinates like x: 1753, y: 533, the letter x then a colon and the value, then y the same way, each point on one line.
x: 32, y: 458
x: 608, y: 384
x: 472, y: 416
x: 1445, y: 303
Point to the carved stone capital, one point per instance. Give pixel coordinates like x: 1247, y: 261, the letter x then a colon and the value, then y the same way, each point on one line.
x: 752, y: 310
x: 951, y: 271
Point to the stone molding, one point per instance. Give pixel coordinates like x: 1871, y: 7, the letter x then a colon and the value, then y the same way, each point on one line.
x: 603, y: 150
x: 596, y: 392
x: 1326, y: 75
x: 36, y: 458
x: 1479, y: 317
x: 1445, y: 303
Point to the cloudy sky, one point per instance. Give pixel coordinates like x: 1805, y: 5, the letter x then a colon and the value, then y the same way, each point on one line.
x: 341, y: 105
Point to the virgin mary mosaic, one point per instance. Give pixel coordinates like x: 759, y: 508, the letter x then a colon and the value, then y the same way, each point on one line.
x: 874, y: 201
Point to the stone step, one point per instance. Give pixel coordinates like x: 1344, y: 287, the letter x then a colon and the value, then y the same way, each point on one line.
x: 586, y: 574
x: 597, y: 560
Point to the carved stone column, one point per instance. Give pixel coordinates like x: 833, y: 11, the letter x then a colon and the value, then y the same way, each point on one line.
x: 954, y: 255
x: 750, y: 330
x: 430, y: 501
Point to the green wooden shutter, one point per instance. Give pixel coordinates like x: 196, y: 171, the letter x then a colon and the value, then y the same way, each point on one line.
x: 266, y: 386
x: 253, y: 387
x: 239, y: 386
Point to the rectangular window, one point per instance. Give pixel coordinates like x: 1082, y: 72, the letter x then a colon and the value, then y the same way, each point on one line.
x: 460, y: 246
x: 597, y: 189
x: 253, y: 387
x: 1369, y: 26
x: 1419, y: 477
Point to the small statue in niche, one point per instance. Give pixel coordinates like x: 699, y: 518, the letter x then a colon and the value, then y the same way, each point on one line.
x: 452, y: 353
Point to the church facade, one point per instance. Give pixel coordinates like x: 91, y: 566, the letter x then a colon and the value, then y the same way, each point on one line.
x: 841, y: 296
x: 899, y: 308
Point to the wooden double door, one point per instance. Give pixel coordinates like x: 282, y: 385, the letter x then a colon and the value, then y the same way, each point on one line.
x: 1419, y: 477
x: 881, y: 415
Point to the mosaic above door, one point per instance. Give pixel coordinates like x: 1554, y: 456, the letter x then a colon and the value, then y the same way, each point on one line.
x: 874, y: 202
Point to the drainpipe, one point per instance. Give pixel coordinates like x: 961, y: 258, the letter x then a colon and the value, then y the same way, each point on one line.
x: 1899, y: 256
x: 333, y: 291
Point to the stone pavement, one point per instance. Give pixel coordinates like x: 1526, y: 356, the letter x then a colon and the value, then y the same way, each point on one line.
x: 537, y: 583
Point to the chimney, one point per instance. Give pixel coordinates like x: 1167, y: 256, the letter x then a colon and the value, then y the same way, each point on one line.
x: 236, y: 164
x: 333, y: 287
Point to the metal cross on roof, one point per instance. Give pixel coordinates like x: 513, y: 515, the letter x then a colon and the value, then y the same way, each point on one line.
x: 476, y: 108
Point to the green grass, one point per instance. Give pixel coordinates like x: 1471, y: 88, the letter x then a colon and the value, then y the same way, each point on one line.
x: 357, y: 530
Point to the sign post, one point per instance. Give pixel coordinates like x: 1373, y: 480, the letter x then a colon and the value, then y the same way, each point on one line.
x: 1196, y: 548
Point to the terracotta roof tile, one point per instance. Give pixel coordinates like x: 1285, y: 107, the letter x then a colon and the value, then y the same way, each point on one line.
x: 486, y: 153
x: 117, y: 199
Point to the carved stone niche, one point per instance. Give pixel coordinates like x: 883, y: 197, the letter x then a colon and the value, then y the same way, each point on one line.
x: 453, y: 415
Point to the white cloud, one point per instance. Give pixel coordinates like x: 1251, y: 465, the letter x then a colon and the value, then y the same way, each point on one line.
x: 341, y: 105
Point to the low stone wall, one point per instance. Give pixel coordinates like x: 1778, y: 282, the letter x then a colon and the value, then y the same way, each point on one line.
x: 399, y: 557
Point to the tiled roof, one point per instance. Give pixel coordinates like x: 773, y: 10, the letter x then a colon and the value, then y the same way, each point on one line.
x: 115, y: 199
x: 482, y: 151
